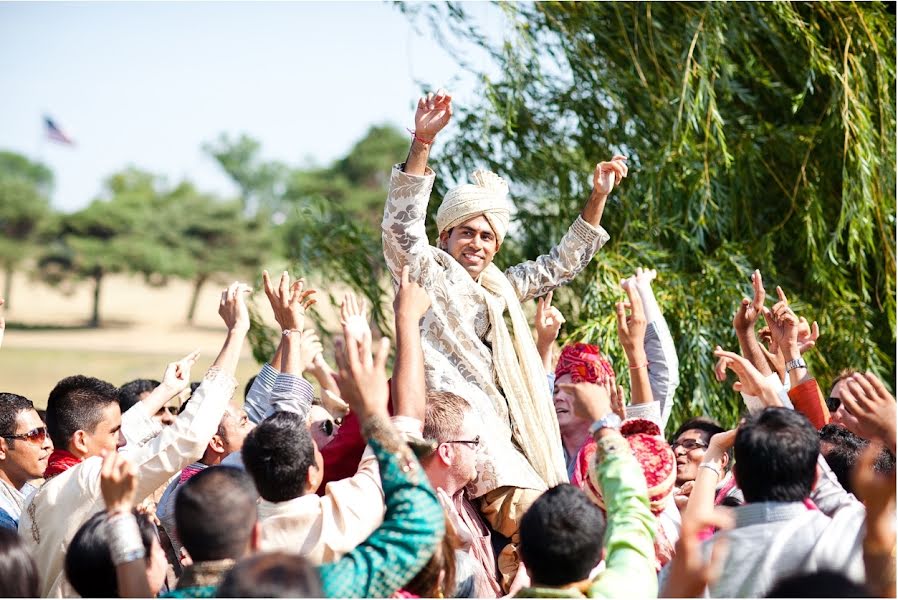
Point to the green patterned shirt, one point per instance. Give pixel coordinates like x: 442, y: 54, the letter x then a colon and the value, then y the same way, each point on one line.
x: 412, y: 527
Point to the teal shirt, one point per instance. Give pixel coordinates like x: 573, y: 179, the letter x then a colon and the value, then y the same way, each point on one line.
x: 412, y: 527
x: 630, y: 533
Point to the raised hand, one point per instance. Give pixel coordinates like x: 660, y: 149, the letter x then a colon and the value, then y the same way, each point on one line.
x: 866, y: 399
x: 748, y: 312
x: 548, y: 321
x: 618, y: 400
x: 433, y: 114
x: 310, y: 348
x: 750, y: 379
x: 232, y: 307
x: 590, y: 400
x: 118, y: 482
x: 807, y: 335
x: 608, y: 174
x: 289, y: 302
x: 177, y: 374
x: 362, y: 377
x: 783, y: 324
x: 354, y: 319
x: 631, y: 328
x: 412, y: 301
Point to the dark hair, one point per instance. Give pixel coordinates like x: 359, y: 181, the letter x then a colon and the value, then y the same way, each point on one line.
x: 278, y: 453
x: 271, y: 575
x: 88, y: 560
x: 248, y: 386
x: 709, y: 427
x: 194, y: 385
x: 10, y: 407
x: 129, y: 394
x: 561, y: 536
x: 776, y: 456
x: 215, y: 512
x: 18, y: 574
x: 841, y: 448
x: 822, y: 584
x: 77, y: 403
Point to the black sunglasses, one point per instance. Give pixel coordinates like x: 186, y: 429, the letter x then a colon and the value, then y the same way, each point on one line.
x: 689, y: 445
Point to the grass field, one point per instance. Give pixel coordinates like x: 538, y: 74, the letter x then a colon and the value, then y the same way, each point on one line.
x: 144, y: 329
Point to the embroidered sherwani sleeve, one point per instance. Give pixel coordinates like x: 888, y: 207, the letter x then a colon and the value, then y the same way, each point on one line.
x: 186, y: 439
x: 413, y: 525
x: 549, y: 271
x: 629, y: 537
x: 138, y: 427
x: 403, y: 230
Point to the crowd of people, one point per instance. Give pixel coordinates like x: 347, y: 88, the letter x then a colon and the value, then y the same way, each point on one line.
x: 488, y: 465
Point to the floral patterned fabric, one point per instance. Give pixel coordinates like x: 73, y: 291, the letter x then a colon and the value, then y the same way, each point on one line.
x: 455, y: 330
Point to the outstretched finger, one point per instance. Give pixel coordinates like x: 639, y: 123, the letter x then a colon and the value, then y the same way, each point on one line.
x: 622, y: 319
x: 284, y: 286
x: 266, y: 284
x: 635, y: 300
x: 549, y: 298
x: 781, y: 295
x: 404, y: 277
x: 383, y: 352
x: 760, y: 294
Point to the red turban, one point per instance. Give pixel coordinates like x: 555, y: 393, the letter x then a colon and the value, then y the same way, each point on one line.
x: 583, y: 362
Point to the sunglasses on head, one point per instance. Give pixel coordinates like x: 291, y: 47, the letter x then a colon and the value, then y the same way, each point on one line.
x: 328, y: 427
x: 833, y: 404
x: 35, y: 436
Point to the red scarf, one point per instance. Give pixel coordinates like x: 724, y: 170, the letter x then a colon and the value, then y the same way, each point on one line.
x: 60, y: 460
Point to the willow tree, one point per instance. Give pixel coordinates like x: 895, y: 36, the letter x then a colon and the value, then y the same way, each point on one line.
x: 759, y: 135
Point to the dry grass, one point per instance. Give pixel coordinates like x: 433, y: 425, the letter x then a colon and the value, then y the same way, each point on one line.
x: 144, y: 329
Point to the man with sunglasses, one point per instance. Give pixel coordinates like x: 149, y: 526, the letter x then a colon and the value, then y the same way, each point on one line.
x: 24, y: 450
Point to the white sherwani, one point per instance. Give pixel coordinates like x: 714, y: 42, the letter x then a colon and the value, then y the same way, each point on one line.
x: 53, y: 514
x: 456, y: 356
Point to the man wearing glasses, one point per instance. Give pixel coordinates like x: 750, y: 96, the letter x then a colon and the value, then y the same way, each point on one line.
x: 24, y: 450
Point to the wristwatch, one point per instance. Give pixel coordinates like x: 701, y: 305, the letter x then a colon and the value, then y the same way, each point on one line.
x: 797, y: 363
x: 611, y: 421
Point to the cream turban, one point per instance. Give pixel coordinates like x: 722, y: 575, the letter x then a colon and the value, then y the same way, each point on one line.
x: 487, y: 196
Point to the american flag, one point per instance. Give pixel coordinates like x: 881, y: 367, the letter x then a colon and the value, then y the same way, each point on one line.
x: 55, y: 133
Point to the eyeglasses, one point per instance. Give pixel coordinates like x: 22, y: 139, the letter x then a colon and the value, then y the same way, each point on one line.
x: 35, y: 436
x: 469, y: 443
x: 689, y: 445
x: 833, y: 404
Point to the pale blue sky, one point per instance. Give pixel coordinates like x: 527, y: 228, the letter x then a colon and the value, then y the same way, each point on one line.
x: 147, y: 84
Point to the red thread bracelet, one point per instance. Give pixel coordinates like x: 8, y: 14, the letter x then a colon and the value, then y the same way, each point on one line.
x: 420, y: 139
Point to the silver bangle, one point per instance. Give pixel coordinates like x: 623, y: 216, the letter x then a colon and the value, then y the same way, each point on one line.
x: 125, y: 543
x: 711, y: 466
x: 287, y: 332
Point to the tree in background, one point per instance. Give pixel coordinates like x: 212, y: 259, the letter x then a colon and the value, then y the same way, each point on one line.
x: 114, y: 234
x: 760, y: 135
x: 25, y: 186
x: 327, y: 218
x: 213, y: 239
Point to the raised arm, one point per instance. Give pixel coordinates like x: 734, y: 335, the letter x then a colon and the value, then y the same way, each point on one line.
x: 584, y: 238
x: 631, y: 332
x: 660, y: 351
x: 185, y: 440
x: 118, y: 483
x: 414, y: 521
x: 629, y: 535
x: 548, y: 323
x: 409, y: 390
x: 433, y: 114
x: 744, y: 323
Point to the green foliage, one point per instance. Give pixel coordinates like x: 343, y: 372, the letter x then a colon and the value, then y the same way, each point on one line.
x: 759, y: 135
x: 24, y: 210
x: 260, y: 182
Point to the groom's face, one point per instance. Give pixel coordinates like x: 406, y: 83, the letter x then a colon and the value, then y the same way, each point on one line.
x: 473, y: 244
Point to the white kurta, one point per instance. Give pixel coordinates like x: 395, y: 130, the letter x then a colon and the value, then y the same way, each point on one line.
x: 53, y: 514
x: 454, y: 330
